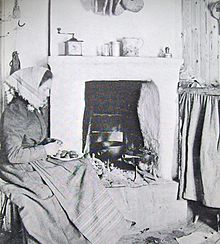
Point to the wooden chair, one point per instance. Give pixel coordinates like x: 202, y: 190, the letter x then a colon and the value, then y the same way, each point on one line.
x: 10, y: 221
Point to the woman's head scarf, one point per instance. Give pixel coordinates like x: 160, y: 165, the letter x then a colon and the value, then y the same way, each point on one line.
x: 25, y: 82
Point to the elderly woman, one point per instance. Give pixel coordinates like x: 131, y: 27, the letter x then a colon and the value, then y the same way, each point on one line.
x: 58, y: 202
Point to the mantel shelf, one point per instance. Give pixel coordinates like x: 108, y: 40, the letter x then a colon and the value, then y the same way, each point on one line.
x: 110, y: 60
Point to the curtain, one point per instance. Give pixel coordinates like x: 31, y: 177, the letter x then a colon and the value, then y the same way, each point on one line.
x: 199, y: 146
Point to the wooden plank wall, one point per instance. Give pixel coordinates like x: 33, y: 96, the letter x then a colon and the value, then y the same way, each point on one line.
x: 200, y: 41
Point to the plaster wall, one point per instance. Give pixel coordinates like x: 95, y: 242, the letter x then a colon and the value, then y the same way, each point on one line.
x: 30, y: 40
x: 158, y: 24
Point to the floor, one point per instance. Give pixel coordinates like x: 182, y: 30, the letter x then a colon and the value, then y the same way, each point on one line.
x: 204, y: 231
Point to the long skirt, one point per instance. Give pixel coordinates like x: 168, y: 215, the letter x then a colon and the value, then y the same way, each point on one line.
x: 78, y: 210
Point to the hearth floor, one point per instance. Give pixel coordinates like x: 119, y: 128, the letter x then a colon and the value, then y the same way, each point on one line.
x: 203, y: 232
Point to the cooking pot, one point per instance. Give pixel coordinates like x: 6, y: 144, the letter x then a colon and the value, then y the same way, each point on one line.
x: 109, y: 149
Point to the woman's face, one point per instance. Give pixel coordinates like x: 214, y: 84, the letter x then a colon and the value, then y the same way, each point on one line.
x: 44, y: 91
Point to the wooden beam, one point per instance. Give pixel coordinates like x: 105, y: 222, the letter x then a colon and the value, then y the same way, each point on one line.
x: 49, y: 27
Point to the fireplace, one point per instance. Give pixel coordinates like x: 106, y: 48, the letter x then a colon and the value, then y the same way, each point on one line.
x: 121, y: 123
x: 152, y: 205
x: 68, y: 95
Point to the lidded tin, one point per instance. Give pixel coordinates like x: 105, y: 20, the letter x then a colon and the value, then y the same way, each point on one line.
x: 115, y: 48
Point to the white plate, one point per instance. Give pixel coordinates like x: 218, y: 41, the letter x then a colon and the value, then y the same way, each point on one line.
x: 80, y: 155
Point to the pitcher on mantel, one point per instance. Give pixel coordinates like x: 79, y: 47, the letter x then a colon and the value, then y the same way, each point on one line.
x: 131, y: 46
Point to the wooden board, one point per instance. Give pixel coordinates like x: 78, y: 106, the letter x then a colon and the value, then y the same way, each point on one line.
x: 200, y: 41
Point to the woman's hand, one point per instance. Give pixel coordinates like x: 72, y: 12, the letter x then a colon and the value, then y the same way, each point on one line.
x: 52, y: 148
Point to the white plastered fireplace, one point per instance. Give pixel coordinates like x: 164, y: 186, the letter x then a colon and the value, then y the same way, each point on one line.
x: 67, y: 97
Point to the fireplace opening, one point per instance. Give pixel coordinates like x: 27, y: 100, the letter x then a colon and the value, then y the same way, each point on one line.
x: 121, y: 124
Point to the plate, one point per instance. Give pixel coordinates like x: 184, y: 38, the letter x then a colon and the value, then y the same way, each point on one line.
x: 80, y: 155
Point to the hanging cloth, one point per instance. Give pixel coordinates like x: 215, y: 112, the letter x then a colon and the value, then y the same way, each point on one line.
x: 199, y: 146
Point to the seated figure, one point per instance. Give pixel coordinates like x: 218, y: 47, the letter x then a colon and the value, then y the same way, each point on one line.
x: 58, y: 201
